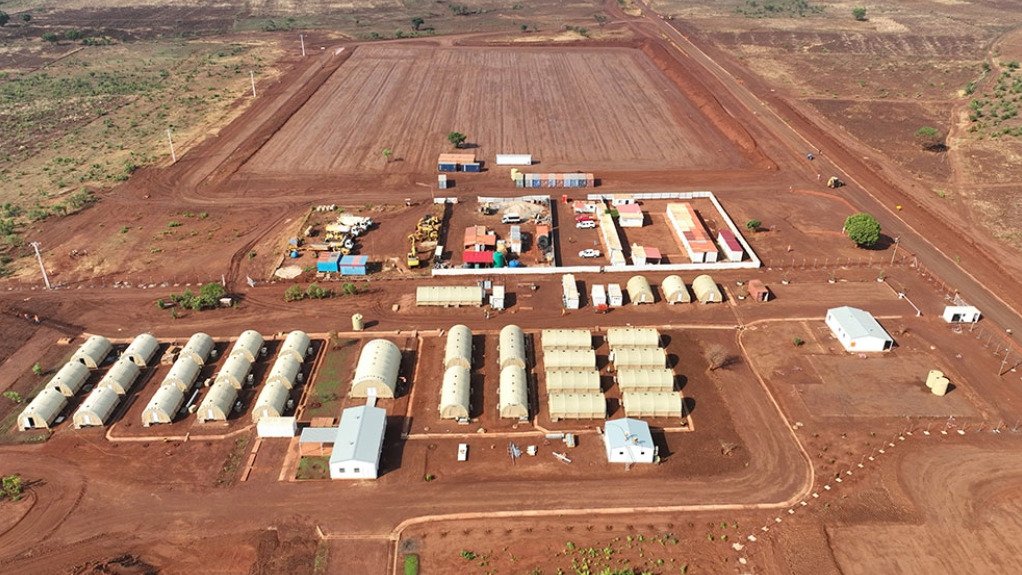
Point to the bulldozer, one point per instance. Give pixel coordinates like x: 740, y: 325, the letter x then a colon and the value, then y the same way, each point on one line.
x: 413, y: 254
x: 427, y: 229
x: 834, y: 182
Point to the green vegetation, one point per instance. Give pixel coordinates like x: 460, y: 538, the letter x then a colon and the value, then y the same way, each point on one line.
x: 4, y: 18
x: 777, y: 8
x: 996, y: 113
x: 11, y: 487
x: 930, y: 138
x: 417, y: 23
x: 26, y: 17
x: 13, y: 396
x: 314, y: 291
x: 753, y: 225
x: 327, y: 389
x: 798, y: 342
x: 468, y: 555
x: 37, y: 369
x: 208, y: 297
x: 411, y: 564
x: 863, y: 229
x: 388, y: 154
x: 313, y: 467
x: 457, y: 139
x: 229, y: 469
x: 583, y: 32
x: 859, y: 13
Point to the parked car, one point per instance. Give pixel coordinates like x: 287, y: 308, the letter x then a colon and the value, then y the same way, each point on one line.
x: 585, y: 225
x: 584, y: 218
x: 590, y: 253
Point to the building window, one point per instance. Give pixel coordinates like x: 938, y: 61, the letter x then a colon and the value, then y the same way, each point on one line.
x: 340, y: 470
x: 356, y: 470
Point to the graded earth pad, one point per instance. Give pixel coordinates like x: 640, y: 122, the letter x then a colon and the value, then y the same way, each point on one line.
x: 607, y: 108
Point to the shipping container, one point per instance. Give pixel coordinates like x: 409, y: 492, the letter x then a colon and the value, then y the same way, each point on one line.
x: 472, y: 167
x: 328, y: 262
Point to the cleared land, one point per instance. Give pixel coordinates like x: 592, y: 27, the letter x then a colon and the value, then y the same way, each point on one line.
x: 605, y: 108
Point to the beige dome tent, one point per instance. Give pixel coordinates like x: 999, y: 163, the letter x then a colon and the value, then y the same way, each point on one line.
x: 633, y: 337
x: 97, y: 408
x: 674, y: 290
x: 42, y: 410
x: 121, y: 376
x: 455, y: 393
x: 645, y: 380
x: 217, y: 404
x: 70, y: 378
x: 234, y: 371
x: 572, y: 381
x: 285, y: 371
x: 569, y: 359
x: 142, y: 349
x: 164, y: 405
x: 182, y: 374
x: 566, y: 338
x: 512, y: 347
x: 577, y: 406
x: 639, y: 290
x: 459, y: 347
x: 93, y: 351
x: 271, y: 401
x: 514, y: 393
x: 652, y: 404
x: 249, y: 345
x: 198, y: 348
x: 377, y: 369
x: 638, y: 358
x: 706, y: 289
x: 297, y: 346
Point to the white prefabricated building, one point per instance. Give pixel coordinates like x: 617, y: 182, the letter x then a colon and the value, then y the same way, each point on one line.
x: 377, y: 370
x: 217, y: 404
x: 198, y: 348
x: 652, y: 403
x: 572, y: 381
x: 285, y: 371
x: 234, y: 371
x: 455, y: 393
x: 858, y: 330
x: 297, y: 346
x: 96, y: 408
x: 633, y: 337
x: 674, y: 290
x: 639, y: 290
x: 448, y: 296
x: 514, y: 393
x: 574, y: 358
x: 142, y: 349
x: 121, y: 376
x: 359, y: 443
x: 598, y: 295
x: 511, y: 348
x: 42, y: 410
x: 566, y: 338
x: 70, y: 378
x: 459, y: 347
x: 93, y: 351
x: 706, y: 289
x: 514, y: 159
x: 164, y: 405
x: 645, y: 379
x: 271, y: 402
x: 615, y: 297
x: 577, y: 406
x: 961, y: 314
x: 182, y: 374
x: 628, y: 440
x: 249, y: 345
x: 638, y: 358
x: 570, y: 296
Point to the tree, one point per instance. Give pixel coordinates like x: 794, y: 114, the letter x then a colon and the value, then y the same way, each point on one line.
x: 753, y: 225
x: 859, y: 14
x: 349, y: 289
x: 456, y: 139
x: 12, y: 488
x: 4, y: 18
x: 718, y: 357
x: 26, y: 17
x: 14, y: 396
x: 37, y: 369
x: 417, y: 23
x: 863, y: 229
x: 524, y: 28
x: 209, y: 295
x: 387, y: 153
x: 294, y: 293
x: 930, y: 138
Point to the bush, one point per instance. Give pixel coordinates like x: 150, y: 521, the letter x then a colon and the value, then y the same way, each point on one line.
x: 51, y: 37
x: 456, y: 139
x: 798, y: 342
x: 349, y: 289
x: 37, y: 368
x: 859, y: 14
x: 930, y: 138
x: 14, y: 396
x: 11, y: 487
x: 316, y: 292
x: 208, y: 297
x: 753, y: 225
x: 4, y: 18
x: 863, y: 229
x: 294, y: 293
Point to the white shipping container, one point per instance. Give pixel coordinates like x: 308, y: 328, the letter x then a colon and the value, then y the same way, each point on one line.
x: 497, y: 297
x: 614, y: 296
x: 514, y: 159
x: 570, y: 287
x: 599, y: 295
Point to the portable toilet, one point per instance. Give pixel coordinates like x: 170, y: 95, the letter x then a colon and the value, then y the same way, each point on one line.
x: 615, y: 298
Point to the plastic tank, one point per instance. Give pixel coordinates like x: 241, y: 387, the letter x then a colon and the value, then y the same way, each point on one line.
x: 498, y: 259
x: 356, y: 322
x: 514, y: 264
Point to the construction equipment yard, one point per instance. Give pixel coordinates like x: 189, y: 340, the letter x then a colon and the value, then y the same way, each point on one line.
x: 687, y: 277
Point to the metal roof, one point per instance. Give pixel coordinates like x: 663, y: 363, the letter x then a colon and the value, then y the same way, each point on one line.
x: 567, y: 338
x: 625, y: 432
x: 318, y: 435
x: 360, y: 434
x: 142, y: 349
x: 379, y: 363
x: 857, y: 323
x: 352, y: 260
x: 459, y: 347
x: 296, y: 345
x: 633, y: 337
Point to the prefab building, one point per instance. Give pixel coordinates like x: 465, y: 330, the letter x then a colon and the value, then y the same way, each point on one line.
x: 514, y: 159
x: 511, y: 348
x: 142, y: 349
x: 448, y: 296
x: 639, y: 290
x: 96, y: 408
x: 857, y: 330
x: 675, y: 290
x: 285, y: 371
x: 514, y: 393
x: 182, y: 374
x: 459, y: 347
x: 352, y: 265
x: 729, y: 243
x: 638, y: 358
x: 377, y: 370
x: 249, y: 345
x: 577, y: 406
x: 599, y: 296
x: 455, y: 392
x: 615, y: 297
x: 217, y: 404
x: 42, y: 410
x: 121, y: 376
x: 633, y: 337
x: 198, y: 348
x: 567, y: 338
x: 758, y: 291
x: 70, y: 378
x: 570, y: 289
x: 92, y: 353
x: 630, y: 216
x: 328, y: 262
x: 163, y: 406
x: 359, y: 443
x: 961, y: 314
x: 497, y: 297
x: 234, y: 372
x: 574, y: 358
x: 652, y: 403
x: 297, y: 346
x: 628, y: 440
x: 706, y: 289
x: 572, y: 381
x: 645, y: 380
x: 271, y: 402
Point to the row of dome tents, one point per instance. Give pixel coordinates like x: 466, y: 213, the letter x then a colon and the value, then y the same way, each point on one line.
x: 572, y: 380
x: 456, y: 390
x: 645, y: 381
x: 44, y: 409
x: 284, y: 375
x: 513, y: 393
x: 232, y: 377
x: 181, y: 378
x: 674, y: 290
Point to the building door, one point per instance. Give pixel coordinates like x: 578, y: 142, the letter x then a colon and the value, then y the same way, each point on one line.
x: 30, y: 421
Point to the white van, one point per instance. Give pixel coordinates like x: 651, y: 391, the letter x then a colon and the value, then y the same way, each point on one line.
x: 511, y: 219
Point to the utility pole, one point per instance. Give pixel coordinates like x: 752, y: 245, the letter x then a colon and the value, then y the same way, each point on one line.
x: 302, y: 38
x: 170, y: 139
x: 896, y: 240
x: 39, y: 257
x: 251, y: 76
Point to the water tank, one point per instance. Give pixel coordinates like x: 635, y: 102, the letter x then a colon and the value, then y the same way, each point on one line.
x: 498, y: 259
x: 514, y: 264
x: 356, y: 322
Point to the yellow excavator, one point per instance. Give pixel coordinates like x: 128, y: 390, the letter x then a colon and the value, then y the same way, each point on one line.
x: 413, y: 255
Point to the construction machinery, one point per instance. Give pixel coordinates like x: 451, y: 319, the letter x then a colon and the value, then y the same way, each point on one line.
x: 413, y: 254
x: 834, y: 182
x: 427, y: 229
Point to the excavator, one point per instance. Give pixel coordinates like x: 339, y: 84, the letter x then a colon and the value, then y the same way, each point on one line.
x: 413, y: 254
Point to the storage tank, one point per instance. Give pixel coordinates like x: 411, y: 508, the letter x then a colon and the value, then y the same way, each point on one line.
x: 498, y: 259
x: 356, y: 322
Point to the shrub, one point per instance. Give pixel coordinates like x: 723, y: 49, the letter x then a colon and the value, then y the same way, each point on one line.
x: 294, y: 293
x: 859, y: 14
x: 753, y: 225
x: 456, y: 139
x: 411, y: 564
x: 798, y: 342
x: 4, y: 18
x: 14, y: 396
x: 11, y: 487
x: 37, y: 368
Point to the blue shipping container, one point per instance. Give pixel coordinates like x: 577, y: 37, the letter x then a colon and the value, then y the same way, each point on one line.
x: 476, y: 167
x: 447, y: 167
